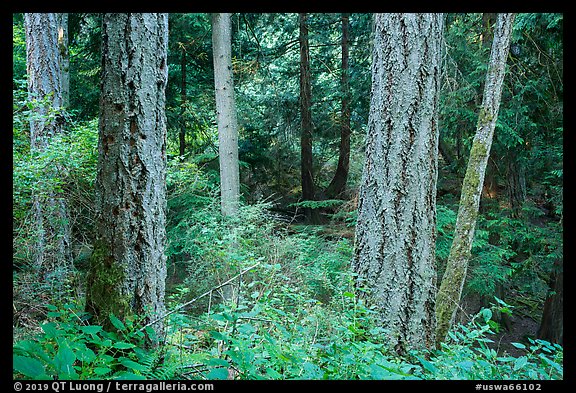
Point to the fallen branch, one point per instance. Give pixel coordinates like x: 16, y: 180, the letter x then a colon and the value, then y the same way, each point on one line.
x: 200, y: 297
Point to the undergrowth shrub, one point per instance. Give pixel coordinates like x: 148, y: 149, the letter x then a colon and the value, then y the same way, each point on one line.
x: 69, y: 348
x: 470, y: 353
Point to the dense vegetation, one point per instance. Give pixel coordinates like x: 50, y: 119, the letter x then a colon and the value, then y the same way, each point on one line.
x: 295, y: 310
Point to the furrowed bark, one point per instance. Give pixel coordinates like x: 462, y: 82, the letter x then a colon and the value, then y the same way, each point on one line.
x: 128, y: 266
x: 396, y: 226
x: 51, y: 249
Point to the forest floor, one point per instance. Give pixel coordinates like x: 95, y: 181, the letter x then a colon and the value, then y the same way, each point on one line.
x: 521, y: 325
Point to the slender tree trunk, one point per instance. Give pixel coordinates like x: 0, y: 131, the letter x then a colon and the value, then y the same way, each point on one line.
x: 338, y: 183
x: 453, y: 281
x: 396, y: 227
x: 226, y: 114
x: 52, y: 249
x: 306, y: 167
x: 182, y: 135
x: 128, y: 266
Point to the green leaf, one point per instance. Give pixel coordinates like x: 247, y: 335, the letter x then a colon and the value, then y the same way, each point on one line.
x: 218, y: 362
x: 520, y: 362
x: 427, y: 365
x: 51, y: 330
x: 28, y: 366
x: 519, y: 346
x: 117, y: 323
x: 123, y: 345
x: 348, y: 294
x: 273, y: 373
x: 218, y: 373
x: 217, y: 335
x: 92, y: 329
x: 486, y: 314
x: 133, y: 365
x: 102, y: 370
x: 84, y: 354
x: 246, y: 328
x: 64, y: 360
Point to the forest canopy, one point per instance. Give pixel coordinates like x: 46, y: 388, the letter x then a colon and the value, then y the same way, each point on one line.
x: 287, y: 196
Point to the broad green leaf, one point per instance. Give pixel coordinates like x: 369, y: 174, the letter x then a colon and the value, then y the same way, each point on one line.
x: 273, y: 373
x: 117, y: 323
x: 246, y: 328
x: 217, y: 335
x: 218, y: 373
x: 64, y: 360
x: 51, y: 330
x: 218, y: 362
x: 102, y: 370
x: 518, y: 345
x: 84, y: 354
x: 427, y: 365
x: 133, y: 365
x: 28, y: 366
x: 123, y: 345
x: 92, y: 329
x: 520, y: 362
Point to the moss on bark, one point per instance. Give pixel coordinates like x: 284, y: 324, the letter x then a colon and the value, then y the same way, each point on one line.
x: 105, y: 281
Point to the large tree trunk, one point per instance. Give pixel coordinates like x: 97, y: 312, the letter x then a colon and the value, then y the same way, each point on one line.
x: 226, y: 114
x: 454, y: 277
x: 338, y: 183
x: 128, y: 266
x: 306, y: 167
x: 396, y: 227
x: 52, y: 249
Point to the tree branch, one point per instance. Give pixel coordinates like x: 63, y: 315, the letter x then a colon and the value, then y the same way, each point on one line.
x: 199, y: 297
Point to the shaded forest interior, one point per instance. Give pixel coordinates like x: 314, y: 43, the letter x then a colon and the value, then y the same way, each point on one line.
x: 242, y: 196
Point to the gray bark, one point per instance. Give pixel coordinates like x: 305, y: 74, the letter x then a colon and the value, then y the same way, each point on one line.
x: 128, y: 265
x: 454, y: 277
x: 396, y: 227
x: 52, y: 249
x: 226, y: 114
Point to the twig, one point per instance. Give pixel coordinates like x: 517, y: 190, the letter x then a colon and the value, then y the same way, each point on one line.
x: 199, y: 297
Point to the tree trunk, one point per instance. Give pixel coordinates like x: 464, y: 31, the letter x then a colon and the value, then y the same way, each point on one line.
x: 306, y: 167
x: 182, y: 135
x: 396, y: 227
x: 488, y: 20
x: 516, y: 184
x: 52, y: 249
x: 226, y: 114
x: 338, y: 183
x: 453, y: 281
x: 128, y: 266
x: 64, y: 58
x: 552, y: 323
